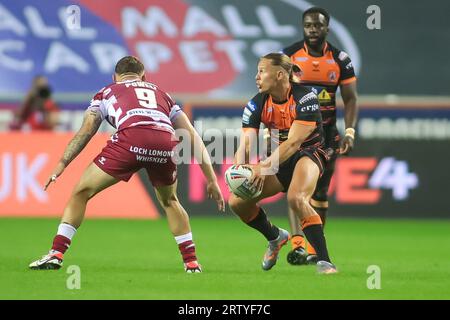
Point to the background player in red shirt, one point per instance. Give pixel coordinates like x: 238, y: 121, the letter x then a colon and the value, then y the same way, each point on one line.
x: 291, y: 111
x: 324, y: 68
x: 145, y: 118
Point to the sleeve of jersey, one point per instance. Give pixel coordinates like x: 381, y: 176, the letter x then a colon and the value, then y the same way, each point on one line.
x: 175, y: 111
x: 347, y: 70
x: 98, y: 105
x: 308, y: 110
x: 251, y: 117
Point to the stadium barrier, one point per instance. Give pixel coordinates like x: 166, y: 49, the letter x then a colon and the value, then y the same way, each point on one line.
x: 27, y: 159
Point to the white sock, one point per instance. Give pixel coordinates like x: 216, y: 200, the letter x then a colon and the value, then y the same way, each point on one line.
x: 66, y: 230
x: 183, y: 238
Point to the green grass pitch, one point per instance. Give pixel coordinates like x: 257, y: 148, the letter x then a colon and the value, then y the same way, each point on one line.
x: 123, y: 259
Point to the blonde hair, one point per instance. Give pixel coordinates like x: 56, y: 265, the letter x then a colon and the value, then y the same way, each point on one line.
x: 282, y: 60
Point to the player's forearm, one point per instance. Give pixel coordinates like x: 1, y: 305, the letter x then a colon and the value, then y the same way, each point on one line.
x: 75, y: 146
x: 241, y: 155
x: 350, y: 112
x: 202, y: 156
x: 246, y: 149
x: 281, y: 154
x: 91, y: 123
x: 206, y: 166
x: 208, y: 172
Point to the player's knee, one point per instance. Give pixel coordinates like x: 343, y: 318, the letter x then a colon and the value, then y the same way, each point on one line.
x: 298, y: 202
x: 235, y: 204
x: 169, y: 201
x: 84, y: 192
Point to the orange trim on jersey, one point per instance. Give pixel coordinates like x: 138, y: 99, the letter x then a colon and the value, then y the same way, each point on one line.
x: 347, y: 81
x: 306, y: 123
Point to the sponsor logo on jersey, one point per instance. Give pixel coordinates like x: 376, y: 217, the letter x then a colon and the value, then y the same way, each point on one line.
x: 246, y: 116
x: 324, y: 96
x: 342, y: 56
x: 330, y: 61
x: 251, y: 105
x: 247, y: 112
x: 301, y: 59
x: 312, y: 107
x: 308, y: 97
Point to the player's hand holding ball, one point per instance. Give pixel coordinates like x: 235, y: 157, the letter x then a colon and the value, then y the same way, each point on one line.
x: 244, y: 181
x: 257, y: 179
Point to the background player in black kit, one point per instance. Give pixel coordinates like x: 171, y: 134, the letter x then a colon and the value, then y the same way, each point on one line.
x: 324, y: 68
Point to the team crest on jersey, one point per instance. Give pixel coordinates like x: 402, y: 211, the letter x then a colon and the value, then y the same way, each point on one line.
x: 115, y: 137
x: 332, y: 75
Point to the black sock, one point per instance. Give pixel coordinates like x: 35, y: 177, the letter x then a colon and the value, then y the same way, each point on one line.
x: 315, y: 236
x: 263, y: 225
x: 322, y: 212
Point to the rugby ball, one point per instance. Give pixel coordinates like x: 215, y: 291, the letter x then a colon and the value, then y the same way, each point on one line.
x: 237, y: 179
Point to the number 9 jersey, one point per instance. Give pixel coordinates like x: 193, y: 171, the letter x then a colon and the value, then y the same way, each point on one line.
x: 136, y: 103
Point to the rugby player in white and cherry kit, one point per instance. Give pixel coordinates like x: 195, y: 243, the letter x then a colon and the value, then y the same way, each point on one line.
x: 145, y: 118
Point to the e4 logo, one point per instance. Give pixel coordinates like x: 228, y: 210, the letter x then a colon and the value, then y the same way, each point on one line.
x: 360, y: 180
x: 393, y: 174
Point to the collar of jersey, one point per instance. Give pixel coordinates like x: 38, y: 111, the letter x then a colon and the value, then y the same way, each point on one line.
x: 325, y: 48
x: 128, y: 81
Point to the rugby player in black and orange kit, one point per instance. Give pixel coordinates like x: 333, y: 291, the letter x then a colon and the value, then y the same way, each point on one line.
x: 324, y: 68
x: 292, y: 113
